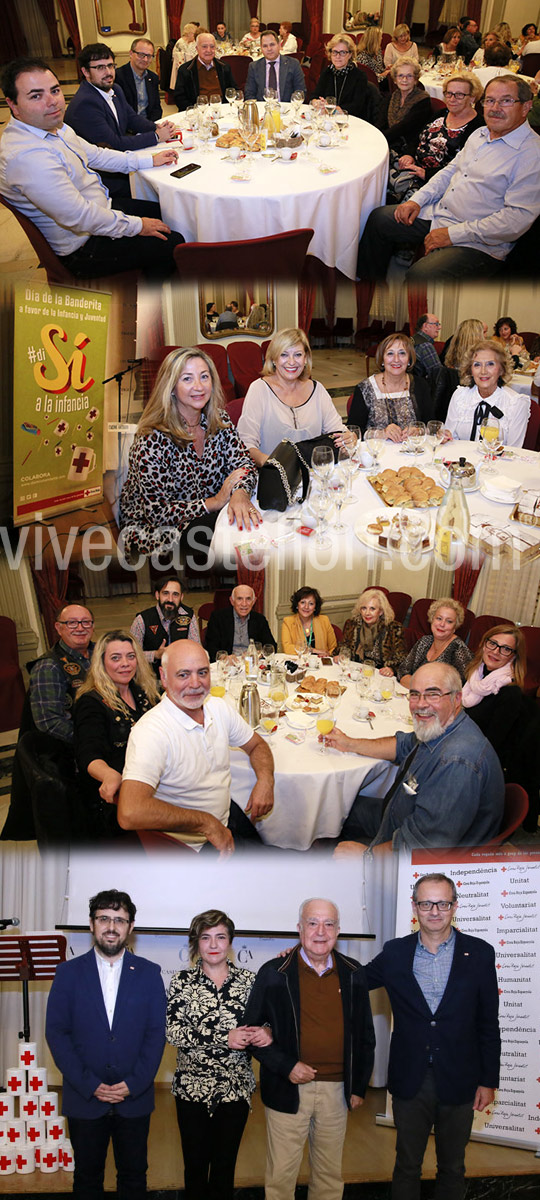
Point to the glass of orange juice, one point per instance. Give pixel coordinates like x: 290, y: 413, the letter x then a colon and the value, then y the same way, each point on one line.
x: 217, y: 689
x: 325, y: 725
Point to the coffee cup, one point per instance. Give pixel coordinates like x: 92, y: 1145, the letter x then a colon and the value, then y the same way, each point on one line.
x: 286, y: 152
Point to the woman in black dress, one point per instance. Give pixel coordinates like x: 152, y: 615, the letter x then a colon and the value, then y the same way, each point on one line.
x: 342, y: 79
x: 119, y: 688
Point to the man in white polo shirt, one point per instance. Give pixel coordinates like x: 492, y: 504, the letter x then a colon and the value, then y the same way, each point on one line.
x: 177, y: 775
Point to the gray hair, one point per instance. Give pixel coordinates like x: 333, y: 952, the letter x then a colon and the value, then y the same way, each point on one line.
x: 434, y: 877
x: 451, y: 677
x: 315, y: 900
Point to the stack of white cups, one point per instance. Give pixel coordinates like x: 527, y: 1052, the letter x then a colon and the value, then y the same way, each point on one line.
x: 32, y: 1133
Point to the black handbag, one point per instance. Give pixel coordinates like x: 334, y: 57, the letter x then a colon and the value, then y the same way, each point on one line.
x: 287, y: 467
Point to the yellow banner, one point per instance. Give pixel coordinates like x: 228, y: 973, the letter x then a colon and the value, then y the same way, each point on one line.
x: 59, y: 362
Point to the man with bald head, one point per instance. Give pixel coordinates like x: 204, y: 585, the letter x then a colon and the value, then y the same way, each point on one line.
x: 204, y: 75
x: 231, y: 629
x: 316, y: 1003
x: 449, y: 789
x: 177, y: 775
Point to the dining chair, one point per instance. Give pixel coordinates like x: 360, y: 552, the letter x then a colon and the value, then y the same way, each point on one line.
x: 55, y: 269
x: 218, y: 354
x: 516, y: 807
x: 481, y: 625
x: 531, y: 440
x: 246, y: 361
x: 279, y: 256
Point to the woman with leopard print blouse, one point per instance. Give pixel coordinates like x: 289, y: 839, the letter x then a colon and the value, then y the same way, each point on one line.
x: 187, y: 462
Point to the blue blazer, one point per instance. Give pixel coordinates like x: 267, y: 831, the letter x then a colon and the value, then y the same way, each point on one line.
x: 291, y: 78
x: 462, y: 1036
x: 90, y: 116
x: 88, y: 1052
x: 124, y: 79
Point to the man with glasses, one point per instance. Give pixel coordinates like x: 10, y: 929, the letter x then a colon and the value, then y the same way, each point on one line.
x: 445, y: 1048
x: 471, y: 213
x: 321, y: 1057
x: 139, y: 84
x: 428, y: 327
x: 106, y: 1031
x: 449, y: 789
x: 100, y: 113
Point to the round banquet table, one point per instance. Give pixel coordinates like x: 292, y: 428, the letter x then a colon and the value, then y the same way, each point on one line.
x: 209, y: 206
x: 314, y: 792
x: 522, y: 381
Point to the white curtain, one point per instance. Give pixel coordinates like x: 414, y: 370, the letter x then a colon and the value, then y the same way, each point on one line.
x: 34, y: 28
x: 236, y: 17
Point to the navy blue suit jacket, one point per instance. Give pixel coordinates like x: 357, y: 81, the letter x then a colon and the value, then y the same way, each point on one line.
x: 461, y: 1037
x: 90, y: 116
x: 88, y: 1052
x: 291, y: 79
x: 124, y: 79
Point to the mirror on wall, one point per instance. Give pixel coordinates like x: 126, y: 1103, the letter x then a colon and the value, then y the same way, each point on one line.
x: 358, y: 17
x: 120, y: 16
x: 230, y: 309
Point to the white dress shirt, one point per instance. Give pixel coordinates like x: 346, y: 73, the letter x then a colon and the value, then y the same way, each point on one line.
x: 109, y: 972
x: 514, y: 407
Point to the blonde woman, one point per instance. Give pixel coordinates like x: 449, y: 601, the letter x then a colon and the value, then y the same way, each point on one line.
x: 369, y: 52
x: 183, y: 50
x: 372, y: 633
x: 119, y: 688
x: 441, y: 645
x: 467, y: 335
x: 187, y: 462
x: 286, y: 402
x: 341, y: 79
x: 400, y: 45
x: 485, y: 373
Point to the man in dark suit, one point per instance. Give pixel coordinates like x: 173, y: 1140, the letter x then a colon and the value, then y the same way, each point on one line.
x: 106, y: 1031
x: 274, y: 70
x: 139, y: 84
x: 445, y: 1049
x: 205, y: 75
x: 100, y: 113
x: 231, y: 629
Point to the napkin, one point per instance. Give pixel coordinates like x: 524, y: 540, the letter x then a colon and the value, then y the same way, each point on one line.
x: 501, y: 488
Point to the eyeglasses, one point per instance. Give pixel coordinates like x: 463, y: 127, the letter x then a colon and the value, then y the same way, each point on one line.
x: 340, y: 53
x: 73, y: 625
x: 118, y: 922
x: 457, y: 95
x: 492, y: 645
x: 140, y: 54
x: 432, y: 695
x: 437, y: 323
x: 440, y: 905
x: 506, y: 102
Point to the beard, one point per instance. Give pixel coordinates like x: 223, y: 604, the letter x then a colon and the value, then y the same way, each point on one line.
x: 169, y: 608
x: 427, y: 732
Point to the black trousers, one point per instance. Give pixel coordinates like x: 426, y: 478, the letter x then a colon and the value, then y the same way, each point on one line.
x: 210, y: 1147
x: 245, y: 835
x: 414, y: 1120
x: 108, y: 256
x: 90, y: 1140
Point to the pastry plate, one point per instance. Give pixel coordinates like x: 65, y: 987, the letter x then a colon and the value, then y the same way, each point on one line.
x: 371, y: 540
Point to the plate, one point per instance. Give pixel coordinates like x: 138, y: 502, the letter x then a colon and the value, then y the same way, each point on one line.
x: 497, y: 499
x: 371, y: 540
x: 293, y: 705
x: 300, y: 720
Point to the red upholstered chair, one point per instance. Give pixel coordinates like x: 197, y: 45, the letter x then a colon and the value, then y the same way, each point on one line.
x: 55, y: 269
x: 516, y: 807
x: 218, y: 354
x: 239, y: 64
x: 222, y: 597
x: 338, y: 632
x: 204, y: 613
x: 531, y: 64
x: 419, y: 624
x: 282, y: 255
x: 400, y: 602
x: 437, y: 106
x: 246, y: 363
x: 264, y: 347
x: 481, y: 625
x: 532, y: 641
x: 529, y: 336
x: 369, y: 72
x: 532, y: 436
x: 234, y: 409
x: 11, y: 678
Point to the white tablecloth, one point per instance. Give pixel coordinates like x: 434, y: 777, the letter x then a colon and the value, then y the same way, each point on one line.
x: 522, y: 383
x: 314, y: 792
x: 208, y: 206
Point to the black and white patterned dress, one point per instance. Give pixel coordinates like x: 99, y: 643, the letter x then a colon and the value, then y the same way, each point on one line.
x: 199, y: 1018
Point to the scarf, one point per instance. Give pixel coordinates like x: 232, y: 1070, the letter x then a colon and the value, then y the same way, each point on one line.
x: 340, y: 78
x: 480, y: 684
x: 369, y: 641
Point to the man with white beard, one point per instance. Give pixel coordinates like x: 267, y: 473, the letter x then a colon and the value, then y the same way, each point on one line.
x: 449, y: 789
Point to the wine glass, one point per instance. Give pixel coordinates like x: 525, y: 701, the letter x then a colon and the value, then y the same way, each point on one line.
x: 344, y: 661
x: 331, y: 105
x: 414, y: 528
x: 325, y: 726
x: 338, y: 487
x: 374, y: 441
x: 320, y: 504
x: 230, y: 95
x: 268, y: 654
x: 435, y: 432
x: 386, y: 688
x: 307, y: 134
x: 416, y: 435
x: 347, y: 467
x: 250, y: 133
x: 297, y: 100
x: 215, y: 105
x: 205, y: 134
x: 221, y: 659
x: 492, y: 442
x: 269, y: 94
x: 342, y: 122
x: 322, y: 461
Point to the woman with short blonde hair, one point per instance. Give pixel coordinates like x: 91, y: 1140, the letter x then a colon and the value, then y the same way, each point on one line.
x: 485, y: 373
x: 340, y: 78
x: 441, y: 645
x: 400, y: 45
x: 372, y: 633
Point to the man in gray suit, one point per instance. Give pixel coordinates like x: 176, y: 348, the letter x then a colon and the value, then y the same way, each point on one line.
x: 275, y: 70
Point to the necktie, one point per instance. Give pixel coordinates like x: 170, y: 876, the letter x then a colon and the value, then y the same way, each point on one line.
x: 483, y: 410
x: 272, y: 77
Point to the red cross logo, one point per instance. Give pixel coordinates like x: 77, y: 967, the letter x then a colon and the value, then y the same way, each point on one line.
x: 14, y: 1083
x: 30, y: 1107
x: 48, y: 1160
x: 27, y: 1058
x: 13, y: 1135
x: 35, y: 1083
x: 32, y: 1134
x: 81, y: 462
x: 4, y: 1163
x: 47, y: 1108
x: 4, y: 1108
x: 21, y: 1162
x: 56, y: 1131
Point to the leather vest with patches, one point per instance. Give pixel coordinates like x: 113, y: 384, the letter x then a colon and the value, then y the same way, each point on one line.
x: 155, y: 633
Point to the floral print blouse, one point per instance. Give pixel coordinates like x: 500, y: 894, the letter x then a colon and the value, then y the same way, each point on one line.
x: 199, y: 1018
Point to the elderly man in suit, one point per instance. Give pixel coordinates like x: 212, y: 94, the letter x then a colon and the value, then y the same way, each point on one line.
x: 100, y: 113
x: 231, y: 629
x: 106, y: 1031
x: 284, y: 75
x: 445, y: 1049
x: 139, y: 84
x: 205, y: 75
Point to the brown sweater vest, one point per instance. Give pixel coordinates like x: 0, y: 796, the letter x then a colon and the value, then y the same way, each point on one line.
x: 321, y: 1022
x: 208, y: 81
